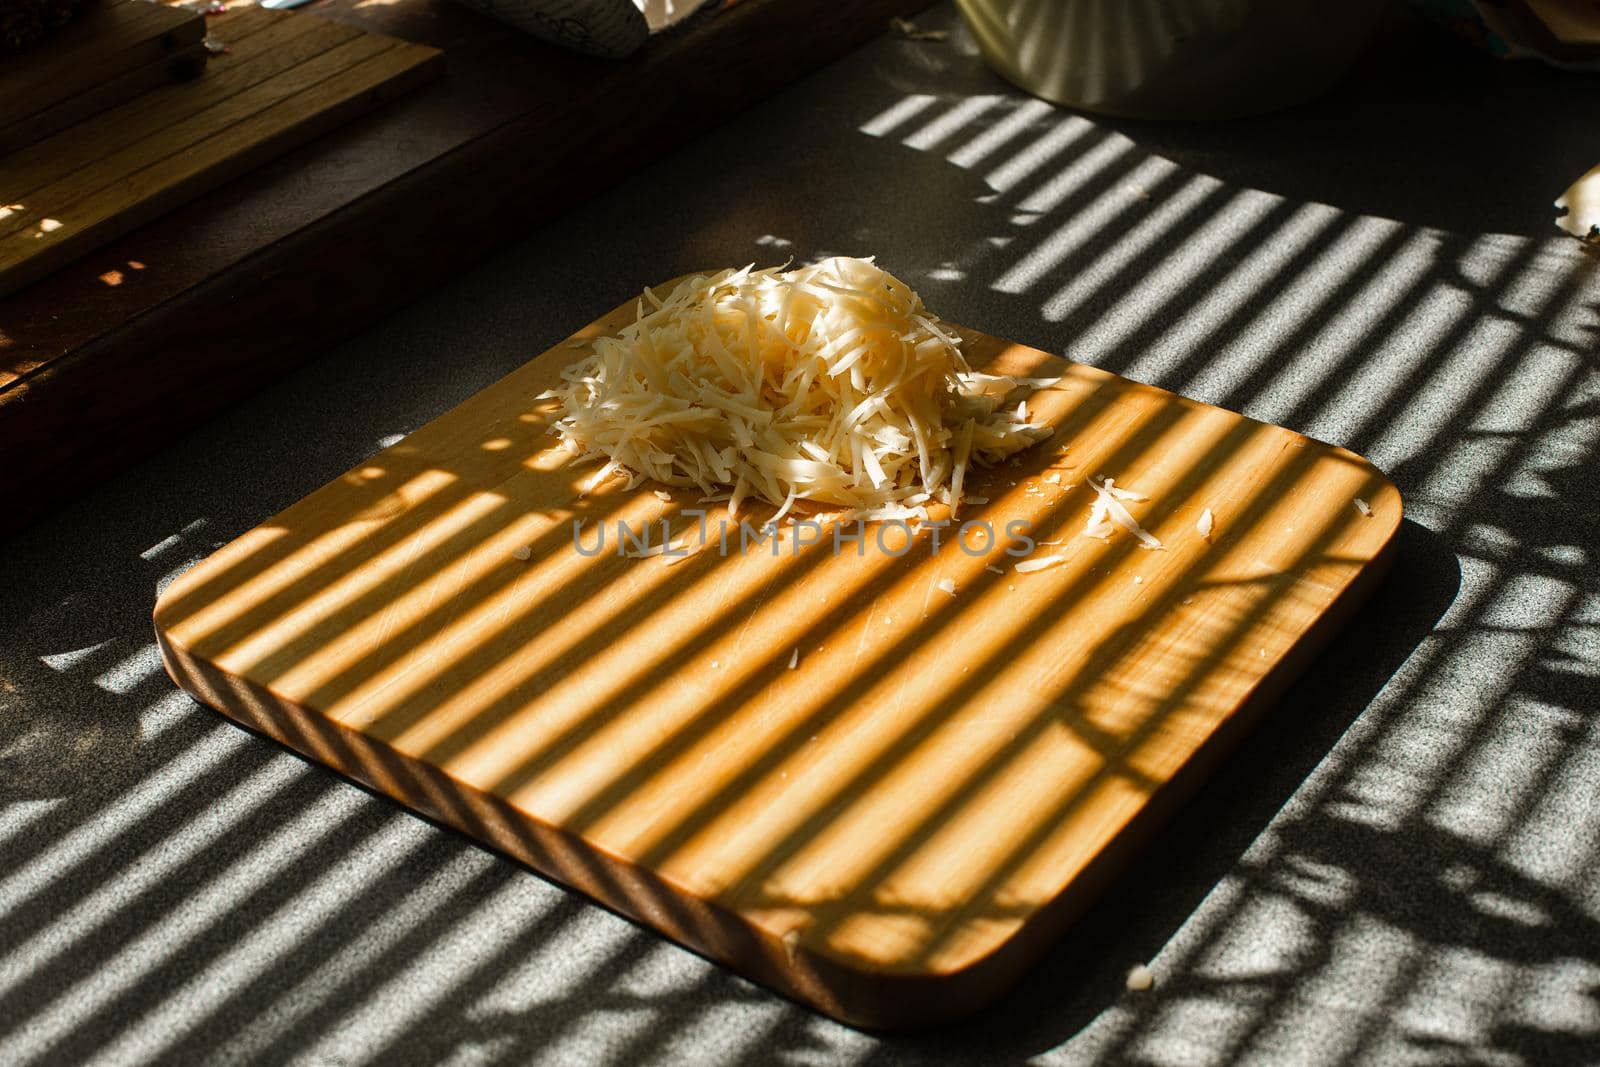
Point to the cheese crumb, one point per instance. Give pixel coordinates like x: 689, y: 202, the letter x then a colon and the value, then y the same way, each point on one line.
x: 521, y: 552
x: 1205, y: 523
x: 1140, y: 978
x: 794, y: 658
x: 1038, y: 563
x: 1138, y: 579
x: 1364, y: 507
x: 663, y: 495
x: 947, y: 585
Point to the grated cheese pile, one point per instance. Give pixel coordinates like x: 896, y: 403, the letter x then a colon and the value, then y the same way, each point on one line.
x: 829, y: 383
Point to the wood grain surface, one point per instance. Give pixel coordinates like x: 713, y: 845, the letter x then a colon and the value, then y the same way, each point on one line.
x: 894, y: 827
x: 288, y: 78
x: 106, y: 42
x: 113, y: 51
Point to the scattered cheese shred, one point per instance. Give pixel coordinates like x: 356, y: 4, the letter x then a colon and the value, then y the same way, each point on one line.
x: 1038, y: 563
x: 1364, y: 507
x: 1108, y: 509
x: 1205, y: 523
x: 992, y: 567
x: 794, y: 658
x: 662, y: 494
x: 947, y: 585
x: 828, y: 383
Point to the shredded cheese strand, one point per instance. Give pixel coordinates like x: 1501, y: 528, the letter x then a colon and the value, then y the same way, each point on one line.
x: 1108, y: 509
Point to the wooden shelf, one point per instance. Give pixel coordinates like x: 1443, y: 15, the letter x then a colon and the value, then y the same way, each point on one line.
x: 110, y: 52
x: 142, y: 339
x: 287, y: 78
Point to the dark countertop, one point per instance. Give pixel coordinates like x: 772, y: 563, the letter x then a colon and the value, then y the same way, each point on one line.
x: 1401, y: 866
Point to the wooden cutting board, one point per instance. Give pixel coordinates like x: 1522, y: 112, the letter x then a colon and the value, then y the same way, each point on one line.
x: 892, y: 828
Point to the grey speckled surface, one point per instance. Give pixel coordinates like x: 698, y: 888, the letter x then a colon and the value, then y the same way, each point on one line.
x: 1402, y: 866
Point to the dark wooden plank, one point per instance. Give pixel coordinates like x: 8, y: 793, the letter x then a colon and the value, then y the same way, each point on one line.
x: 105, y: 42
x: 283, y: 42
x: 142, y: 339
x: 345, y: 81
x: 66, y: 193
x: 184, y: 64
